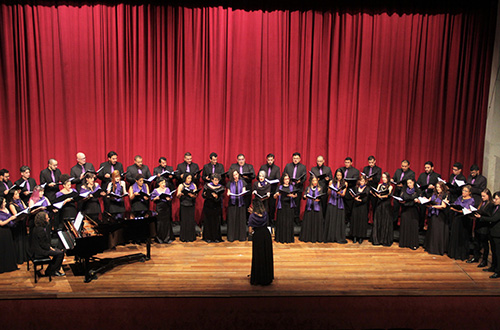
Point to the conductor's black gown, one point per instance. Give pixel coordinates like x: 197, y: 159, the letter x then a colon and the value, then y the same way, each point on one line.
x: 262, y: 251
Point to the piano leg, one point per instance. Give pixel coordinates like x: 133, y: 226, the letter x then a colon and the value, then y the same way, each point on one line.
x: 148, y: 248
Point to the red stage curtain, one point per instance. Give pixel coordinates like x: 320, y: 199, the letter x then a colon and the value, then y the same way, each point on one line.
x: 162, y: 80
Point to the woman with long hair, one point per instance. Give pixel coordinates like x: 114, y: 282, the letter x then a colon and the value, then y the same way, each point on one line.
x: 187, y: 194
x: 286, y: 211
x: 236, y: 211
x: 312, y: 224
x: 213, y: 192
x: 383, y: 227
x: 461, y: 226
x: 262, y: 245
x: 335, y: 214
x: 162, y: 197
x: 436, y: 239
x: 116, y: 192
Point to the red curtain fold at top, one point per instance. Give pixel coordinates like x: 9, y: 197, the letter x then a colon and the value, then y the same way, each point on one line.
x: 160, y: 81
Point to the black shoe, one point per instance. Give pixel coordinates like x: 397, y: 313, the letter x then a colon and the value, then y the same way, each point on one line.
x: 496, y: 275
x: 482, y: 264
x: 354, y: 240
x: 342, y: 242
x: 491, y: 270
x: 472, y: 260
x: 360, y: 241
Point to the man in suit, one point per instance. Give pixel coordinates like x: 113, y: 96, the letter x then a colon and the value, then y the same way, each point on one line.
x: 162, y: 168
x: 27, y: 183
x: 454, y: 189
x: 494, y: 220
x: 272, y: 173
x: 50, y: 177
x: 324, y: 174
x: 426, y: 182
x: 187, y: 166
x: 137, y: 168
x: 105, y: 171
x: 247, y: 173
x: 399, y: 179
x: 212, y: 167
x: 5, y: 182
x: 78, y: 171
x: 351, y: 176
x: 477, y: 182
x: 298, y: 175
x: 373, y: 173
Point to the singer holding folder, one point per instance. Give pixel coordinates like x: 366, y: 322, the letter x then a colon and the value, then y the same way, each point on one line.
x: 261, y: 190
x: 285, y: 197
x: 162, y: 197
x: 359, y: 221
x: 67, y: 196
x: 312, y: 225
x: 139, y: 195
x: 383, y: 227
x: 335, y: 214
x: 116, y: 192
x: 213, y: 192
x: 90, y: 204
x: 273, y: 177
x: 236, y: 210
x: 187, y: 194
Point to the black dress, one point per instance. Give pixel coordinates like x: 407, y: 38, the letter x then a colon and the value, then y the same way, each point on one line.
x: 460, y: 232
x: 68, y: 211
x: 262, y: 190
x: 383, y: 228
x: 335, y: 219
x: 284, y: 219
x: 116, y: 204
x: 20, y: 236
x: 164, y: 209
x: 187, y: 213
x: 359, y: 219
x: 7, y: 250
x: 212, y: 212
x: 408, y: 232
x: 139, y: 204
x: 438, y: 232
x: 262, y: 251
x: 236, y: 214
x: 313, y: 223
x: 91, y: 206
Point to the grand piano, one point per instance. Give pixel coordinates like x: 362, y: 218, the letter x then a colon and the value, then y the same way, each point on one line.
x: 85, y: 237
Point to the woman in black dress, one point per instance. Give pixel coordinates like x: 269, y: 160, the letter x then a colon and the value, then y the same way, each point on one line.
x: 7, y: 250
x: 313, y: 223
x: 91, y: 205
x: 286, y: 211
x: 482, y: 230
x: 359, y: 218
x: 461, y: 226
x: 262, y: 246
x: 261, y: 189
x: 19, y: 232
x: 408, y: 231
x: 139, y: 195
x: 162, y: 197
x: 66, y: 196
x: 438, y: 232
x: 213, y: 192
x: 187, y: 193
x: 383, y: 228
x: 335, y: 214
x: 236, y: 211
x: 116, y: 192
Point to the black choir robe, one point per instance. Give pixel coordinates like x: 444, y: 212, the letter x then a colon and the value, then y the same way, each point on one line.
x: 207, y: 171
x: 422, y: 181
x: 455, y: 191
x: 323, y: 183
x: 46, y: 177
x: 170, y: 178
x: 247, y: 168
x: 352, y: 173
x: 76, y: 172
x: 3, y: 187
x: 133, y: 171
x: 32, y: 183
x: 274, y: 175
x: 182, y: 169
x: 107, y: 170
x: 477, y: 187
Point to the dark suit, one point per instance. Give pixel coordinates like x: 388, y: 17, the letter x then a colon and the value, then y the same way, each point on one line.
x: 40, y: 247
x: 247, y: 168
x: 4, y: 185
x: 32, y: 184
x: 478, y: 186
x: 494, y: 220
x: 323, y: 183
x: 76, y: 172
x: 375, y: 179
x: 107, y: 168
x: 421, y: 182
x: 46, y: 177
x: 455, y: 191
x: 400, y: 177
x: 182, y: 169
x: 208, y: 169
x: 133, y: 171
x: 272, y: 173
x: 352, y: 173
x: 170, y: 178
x: 301, y: 171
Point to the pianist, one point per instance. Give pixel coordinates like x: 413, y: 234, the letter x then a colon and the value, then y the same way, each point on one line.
x: 40, y: 246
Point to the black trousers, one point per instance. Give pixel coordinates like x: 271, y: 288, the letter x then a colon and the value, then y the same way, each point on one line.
x: 57, y: 259
x: 495, y: 249
x: 481, y: 242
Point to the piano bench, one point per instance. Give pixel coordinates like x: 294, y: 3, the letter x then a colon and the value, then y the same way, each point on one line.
x: 39, y: 262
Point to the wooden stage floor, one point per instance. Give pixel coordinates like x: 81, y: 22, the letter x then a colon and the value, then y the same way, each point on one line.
x: 199, y: 269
